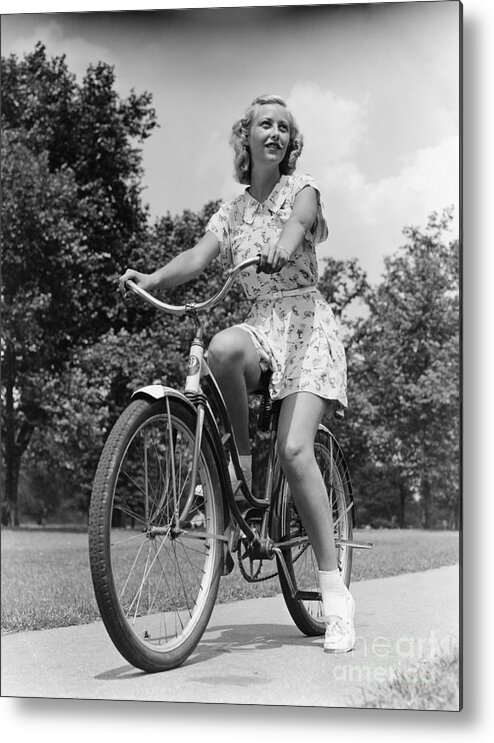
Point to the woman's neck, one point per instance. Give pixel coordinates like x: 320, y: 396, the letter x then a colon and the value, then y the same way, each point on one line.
x: 263, y: 182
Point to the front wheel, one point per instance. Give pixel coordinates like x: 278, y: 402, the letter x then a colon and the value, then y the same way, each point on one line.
x: 306, y: 606
x: 155, y: 549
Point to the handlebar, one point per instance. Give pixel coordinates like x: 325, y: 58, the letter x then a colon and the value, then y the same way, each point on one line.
x: 193, y: 307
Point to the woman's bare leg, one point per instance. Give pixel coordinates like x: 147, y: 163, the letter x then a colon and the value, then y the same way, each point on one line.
x: 300, y: 416
x: 234, y: 361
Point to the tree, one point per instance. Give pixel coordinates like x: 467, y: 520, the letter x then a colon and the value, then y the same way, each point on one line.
x: 342, y: 283
x: 40, y: 245
x: 90, y: 130
x: 405, y: 365
x: 71, y: 215
x: 143, y: 346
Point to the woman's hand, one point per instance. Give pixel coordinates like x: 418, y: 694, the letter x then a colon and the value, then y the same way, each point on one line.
x: 141, y: 279
x: 273, y: 258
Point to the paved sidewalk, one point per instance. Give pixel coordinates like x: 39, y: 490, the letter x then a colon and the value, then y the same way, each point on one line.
x: 251, y: 653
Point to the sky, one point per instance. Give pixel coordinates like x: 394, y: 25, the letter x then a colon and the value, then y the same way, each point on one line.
x: 374, y: 88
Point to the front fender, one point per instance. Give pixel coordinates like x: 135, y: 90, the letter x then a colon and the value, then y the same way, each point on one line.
x: 158, y: 391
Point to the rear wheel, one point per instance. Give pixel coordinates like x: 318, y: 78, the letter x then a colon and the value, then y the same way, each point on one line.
x: 155, y: 549
x: 306, y: 606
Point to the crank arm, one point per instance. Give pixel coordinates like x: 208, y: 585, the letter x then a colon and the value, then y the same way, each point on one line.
x: 165, y: 531
x: 203, y: 535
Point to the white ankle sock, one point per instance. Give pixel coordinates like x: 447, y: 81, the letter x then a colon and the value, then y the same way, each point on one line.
x: 333, y: 593
x: 246, y: 464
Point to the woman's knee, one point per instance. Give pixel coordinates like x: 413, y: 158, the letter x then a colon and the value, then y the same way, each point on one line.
x: 297, y: 427
x: 225, y: 349
x: 295, y: 452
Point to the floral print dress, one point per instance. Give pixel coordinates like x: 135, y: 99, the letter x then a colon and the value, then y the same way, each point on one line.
x: 292, y: 326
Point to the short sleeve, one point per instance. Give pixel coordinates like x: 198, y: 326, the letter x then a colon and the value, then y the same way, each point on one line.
x: 219, y: 226
x: 319, y: 229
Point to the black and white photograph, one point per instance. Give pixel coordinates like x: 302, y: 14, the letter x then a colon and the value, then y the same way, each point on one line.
x: 231, y: 356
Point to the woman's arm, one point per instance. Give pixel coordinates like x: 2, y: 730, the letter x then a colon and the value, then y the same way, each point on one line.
x: 184, y: 267
x: 303, y: 216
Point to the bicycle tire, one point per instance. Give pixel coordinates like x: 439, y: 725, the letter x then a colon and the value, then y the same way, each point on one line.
x: 155, y: 577
x: 300, y: 560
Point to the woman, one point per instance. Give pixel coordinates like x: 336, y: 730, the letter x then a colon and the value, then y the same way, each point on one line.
x: 290, y: 328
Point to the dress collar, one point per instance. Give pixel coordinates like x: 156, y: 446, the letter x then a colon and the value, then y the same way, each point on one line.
x: 274, y: 201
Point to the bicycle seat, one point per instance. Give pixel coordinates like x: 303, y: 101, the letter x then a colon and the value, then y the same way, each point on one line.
x: 264, y: 381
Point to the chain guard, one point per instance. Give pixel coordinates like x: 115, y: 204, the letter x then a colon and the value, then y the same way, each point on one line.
x: 251, y: 568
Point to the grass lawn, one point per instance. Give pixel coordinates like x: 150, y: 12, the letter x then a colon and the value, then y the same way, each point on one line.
x: 46, y: 581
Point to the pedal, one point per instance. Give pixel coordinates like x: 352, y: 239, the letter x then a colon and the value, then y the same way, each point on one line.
x: 308, y: 595
x: 354, y: 545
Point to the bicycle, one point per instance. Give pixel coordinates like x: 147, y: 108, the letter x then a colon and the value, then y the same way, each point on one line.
x: 165, y: 522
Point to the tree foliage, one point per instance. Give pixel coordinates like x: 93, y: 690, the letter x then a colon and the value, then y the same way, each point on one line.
x: 343, y: 284
x: 144, y: 346
x: 89, y: 130
x: 40, y: 242
x: 71, y: 214
x: 404, y: 369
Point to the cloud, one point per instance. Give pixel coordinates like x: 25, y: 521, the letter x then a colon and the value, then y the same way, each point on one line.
x: 332, y: 126
x: 79, y: 52
x: 367, y: 215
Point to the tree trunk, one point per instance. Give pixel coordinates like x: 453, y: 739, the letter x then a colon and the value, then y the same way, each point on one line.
x: 403, y: 495
x: 426, y: 503
x: 10, y: 516
x: 10, y: 507
x: 15, y: 446
x: 456, y: 517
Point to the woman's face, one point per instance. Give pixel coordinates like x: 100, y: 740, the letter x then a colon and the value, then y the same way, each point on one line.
x: 269, y: 135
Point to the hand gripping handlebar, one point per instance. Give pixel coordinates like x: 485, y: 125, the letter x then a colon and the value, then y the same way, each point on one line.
x: 194, y: 307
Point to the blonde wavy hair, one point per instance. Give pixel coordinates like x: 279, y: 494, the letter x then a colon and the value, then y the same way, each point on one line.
x: 239, y: 140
